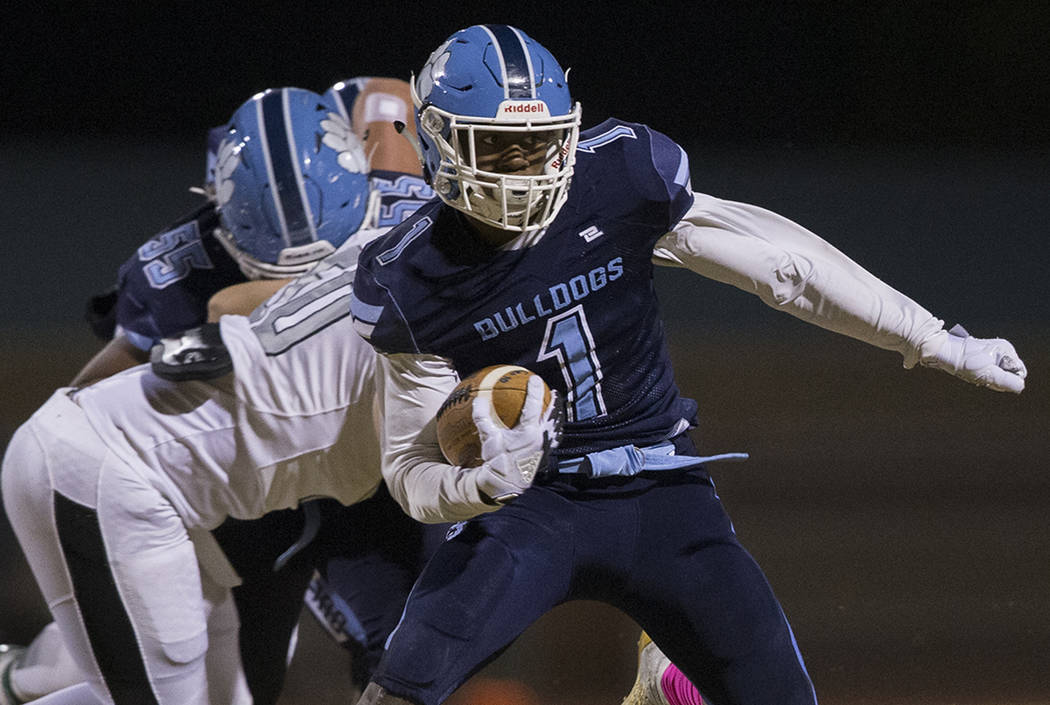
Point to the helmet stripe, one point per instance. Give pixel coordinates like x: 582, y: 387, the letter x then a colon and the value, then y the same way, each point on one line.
x: 345, y: 93
x: 529, y: 72
x: 284, y: 190
x: 514, y: 56
x: 309, y: 233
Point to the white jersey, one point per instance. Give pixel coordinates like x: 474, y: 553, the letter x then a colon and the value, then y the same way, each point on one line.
x: 295, y: 420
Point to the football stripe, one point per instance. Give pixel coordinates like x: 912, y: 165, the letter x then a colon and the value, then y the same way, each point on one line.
x: 489, y: 382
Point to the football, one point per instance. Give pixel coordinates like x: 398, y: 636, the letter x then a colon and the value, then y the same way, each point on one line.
x: 457, y: 435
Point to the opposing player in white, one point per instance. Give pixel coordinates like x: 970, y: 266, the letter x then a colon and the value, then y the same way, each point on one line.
x: 112, y: 489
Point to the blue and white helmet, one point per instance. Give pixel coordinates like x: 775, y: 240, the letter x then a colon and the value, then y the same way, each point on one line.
x: 291, y: 183
x: 495, y: 79
x: 343, y: 95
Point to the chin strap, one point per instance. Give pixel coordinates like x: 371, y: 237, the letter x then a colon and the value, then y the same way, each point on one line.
x: 412, y: 139
x: 311, y: 523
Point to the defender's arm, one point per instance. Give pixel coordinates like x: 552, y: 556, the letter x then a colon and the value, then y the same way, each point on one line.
x: 241, y: 299
x: 116, y: 356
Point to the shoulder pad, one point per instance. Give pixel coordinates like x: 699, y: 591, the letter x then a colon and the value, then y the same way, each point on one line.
x: 197, y: 353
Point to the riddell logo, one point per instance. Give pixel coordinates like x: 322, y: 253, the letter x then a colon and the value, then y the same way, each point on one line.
x: 556, y: 164
x: 519, y: 108
x: 526, y: 108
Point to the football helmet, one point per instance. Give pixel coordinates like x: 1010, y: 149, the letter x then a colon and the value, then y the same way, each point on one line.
x: 490, y: 91
x: 291, y: 183
x: 344, y: 93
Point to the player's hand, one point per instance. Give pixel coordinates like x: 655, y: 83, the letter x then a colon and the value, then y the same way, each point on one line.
x: 986, y: 362
x: 511, y: 457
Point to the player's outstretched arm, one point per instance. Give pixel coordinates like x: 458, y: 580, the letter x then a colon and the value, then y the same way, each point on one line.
x: 796, y: 271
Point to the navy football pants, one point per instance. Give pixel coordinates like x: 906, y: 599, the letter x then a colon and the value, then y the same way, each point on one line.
x: 369, y: 553
x: 658, y: 546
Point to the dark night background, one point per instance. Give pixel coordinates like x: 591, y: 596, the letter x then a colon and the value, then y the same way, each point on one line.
x: 899, y: 515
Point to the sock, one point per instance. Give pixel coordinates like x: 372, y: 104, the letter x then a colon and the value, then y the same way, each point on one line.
x: 677, y: 689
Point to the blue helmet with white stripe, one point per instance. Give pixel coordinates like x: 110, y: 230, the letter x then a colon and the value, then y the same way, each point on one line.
x: 343, y: 95
x: 490, y: 87
x: 291, y: 182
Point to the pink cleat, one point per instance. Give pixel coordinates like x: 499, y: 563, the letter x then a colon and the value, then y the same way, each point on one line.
x: 659, y: 682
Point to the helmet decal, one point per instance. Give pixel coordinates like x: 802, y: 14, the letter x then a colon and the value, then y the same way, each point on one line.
x: 340, y: 136
x: 226, y: 162
x: 435, y: 66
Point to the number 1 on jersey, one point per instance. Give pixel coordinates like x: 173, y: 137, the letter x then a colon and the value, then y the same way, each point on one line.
x: 568, y: 339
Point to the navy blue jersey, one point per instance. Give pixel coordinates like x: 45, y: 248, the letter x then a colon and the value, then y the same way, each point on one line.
x: 578, y: 307
x: 164, y: 287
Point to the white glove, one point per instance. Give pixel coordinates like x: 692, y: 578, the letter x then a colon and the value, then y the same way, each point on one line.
x: 511, y: 457
x: 986, y: 362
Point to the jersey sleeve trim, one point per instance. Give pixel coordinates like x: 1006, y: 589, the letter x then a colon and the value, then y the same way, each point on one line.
x: 681, y: 177
x: 366, y: 316
x: 142, y: 342
x: 671, y: 163
x: 394, y: 333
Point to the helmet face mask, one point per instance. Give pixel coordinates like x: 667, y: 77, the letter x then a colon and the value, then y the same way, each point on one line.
x: 497, y: 127
x: 290, y: 183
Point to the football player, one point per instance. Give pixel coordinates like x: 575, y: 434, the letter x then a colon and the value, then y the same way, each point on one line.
x: 232, y: 246
x: 540, y: 253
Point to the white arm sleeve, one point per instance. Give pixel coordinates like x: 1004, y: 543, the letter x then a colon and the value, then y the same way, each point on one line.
x: 411, y: 389
x: 794, y: 270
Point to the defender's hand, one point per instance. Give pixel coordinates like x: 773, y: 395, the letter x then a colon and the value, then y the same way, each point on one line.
x: 986, y: 362
x: 511, y: 457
